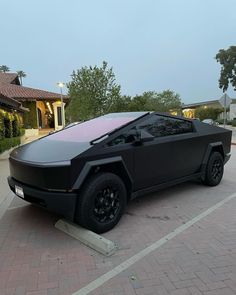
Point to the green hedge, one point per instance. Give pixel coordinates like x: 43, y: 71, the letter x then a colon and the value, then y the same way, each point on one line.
x: 10, y: 130
x: 9, y: 124
x: 228, y: 122
x: 7, y: 143
x: 15, y: 126
x: 2, y: 126
x: 8, y: 118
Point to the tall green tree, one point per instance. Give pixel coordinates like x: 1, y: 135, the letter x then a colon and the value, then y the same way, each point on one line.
x: 21, y: 75
x: 138, y: 103
x: 4, y: 68
x: 227, y: 60
x: 165, y: 101
x: 120, y: 104
x: 93, y: 91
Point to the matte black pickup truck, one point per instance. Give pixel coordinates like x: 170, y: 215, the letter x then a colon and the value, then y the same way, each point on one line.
x: 89, y: 171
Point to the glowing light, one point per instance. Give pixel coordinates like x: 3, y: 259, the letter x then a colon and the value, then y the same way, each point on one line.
x: 61, y: 84
x: 49, y: 107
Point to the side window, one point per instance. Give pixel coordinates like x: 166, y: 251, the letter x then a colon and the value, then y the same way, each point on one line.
x: 159, y: 126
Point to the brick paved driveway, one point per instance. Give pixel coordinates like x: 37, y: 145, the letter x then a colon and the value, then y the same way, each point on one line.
x: 37, y: 259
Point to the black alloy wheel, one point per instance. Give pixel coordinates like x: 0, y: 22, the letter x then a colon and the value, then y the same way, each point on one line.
x: 101, y: 203
x: 214, y: 169
x: 106, y: 205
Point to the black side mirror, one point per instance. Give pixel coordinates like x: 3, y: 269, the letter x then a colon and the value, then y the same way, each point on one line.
x: 141, y: 136
x: 145, y: 136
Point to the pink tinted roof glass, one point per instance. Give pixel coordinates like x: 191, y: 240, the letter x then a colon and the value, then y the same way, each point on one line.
x: 92, y: 129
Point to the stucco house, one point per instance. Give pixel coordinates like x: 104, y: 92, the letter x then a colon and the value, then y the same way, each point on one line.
x: 188, y: 110
x: 45, y: 107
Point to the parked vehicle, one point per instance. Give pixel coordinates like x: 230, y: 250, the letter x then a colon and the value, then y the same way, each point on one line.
x: 89, y: 171
x: 210, y: 122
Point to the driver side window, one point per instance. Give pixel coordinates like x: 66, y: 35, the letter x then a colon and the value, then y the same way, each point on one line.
x: 159, y: 126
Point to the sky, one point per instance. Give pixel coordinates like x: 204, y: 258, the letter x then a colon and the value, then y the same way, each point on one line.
x: 152, y: 45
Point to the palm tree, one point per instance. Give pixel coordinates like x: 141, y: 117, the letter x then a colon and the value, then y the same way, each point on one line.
x: 4, y: 69
x: 21, y: 75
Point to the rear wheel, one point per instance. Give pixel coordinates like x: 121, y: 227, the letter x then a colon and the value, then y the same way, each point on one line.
x: 101, y: 203
x: 214, y: 169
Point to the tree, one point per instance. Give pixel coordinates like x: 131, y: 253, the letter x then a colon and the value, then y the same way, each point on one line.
x: 138, y: 103
x: 4, y: 69
x: 21, y: 75
x: 121, y: 104
x: 93, y: 92
x: 227, y: 59
x: 165, y: 101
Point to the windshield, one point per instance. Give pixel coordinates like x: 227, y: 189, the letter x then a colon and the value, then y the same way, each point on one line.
x: 92, y: 129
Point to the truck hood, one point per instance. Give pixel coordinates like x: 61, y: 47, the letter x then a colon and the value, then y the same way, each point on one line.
x: 49, y: 151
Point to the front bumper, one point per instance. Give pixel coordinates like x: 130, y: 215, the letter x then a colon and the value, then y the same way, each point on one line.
x: 63, y: 203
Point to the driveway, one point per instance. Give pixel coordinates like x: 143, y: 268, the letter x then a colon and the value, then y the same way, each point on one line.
x: 181, y: 240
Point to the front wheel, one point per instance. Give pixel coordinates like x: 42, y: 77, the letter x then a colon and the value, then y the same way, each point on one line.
x: 101, y: 203
x: 214, y: 169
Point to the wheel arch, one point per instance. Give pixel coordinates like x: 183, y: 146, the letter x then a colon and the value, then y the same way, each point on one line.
x: 212, y: 147
x: 114, y: 165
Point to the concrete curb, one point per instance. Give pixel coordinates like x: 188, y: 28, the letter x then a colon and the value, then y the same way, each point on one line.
x: 87, y: 237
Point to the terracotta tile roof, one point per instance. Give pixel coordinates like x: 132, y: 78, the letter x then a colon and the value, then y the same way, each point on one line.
x: 7, y: 78
x: 10, y: 102
x: 10, y: 90
x: 25, y: 93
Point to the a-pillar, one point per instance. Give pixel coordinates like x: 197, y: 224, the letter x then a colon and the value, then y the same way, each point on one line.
x: 59, y: 114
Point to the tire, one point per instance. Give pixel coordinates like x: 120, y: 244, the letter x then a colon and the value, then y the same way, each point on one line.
x: 101, y: 203
x: 214, y: 169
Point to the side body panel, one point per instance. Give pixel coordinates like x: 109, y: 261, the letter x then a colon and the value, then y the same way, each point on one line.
x: 167, y: 158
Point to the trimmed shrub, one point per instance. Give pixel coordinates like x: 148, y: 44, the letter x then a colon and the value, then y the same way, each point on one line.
x: 15, y: 126
x: 8, y: 118
x: 234, y: 122
x: 2, y: 126
x: 221, y: 121
x: 8, y: 143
